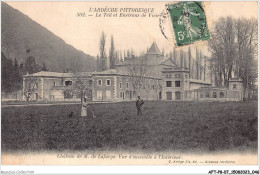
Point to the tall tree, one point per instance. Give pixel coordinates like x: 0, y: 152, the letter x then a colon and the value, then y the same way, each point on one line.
x: 233, y: 48
x: 102, y: 52
x: 189, y: 59
x: 112, y: 54
x: 245, y: 62
x: 174, y: 55
x: 181, y: 58
x: 197, y: 63
x: 17, y: 77
x: 6, y: 74
x: 200, y: 65
x: 98, y: 63
x: 31, y: 66
x: 44, y: 67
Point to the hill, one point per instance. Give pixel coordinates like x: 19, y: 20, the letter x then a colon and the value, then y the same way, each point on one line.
x: 20, y: 33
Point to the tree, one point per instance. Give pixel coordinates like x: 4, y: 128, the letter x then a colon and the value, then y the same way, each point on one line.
x: 17, y: 78
x: 141, y: 74
x: 102, y: 52
x: 200, y: 65
x: 6, y: 74
x: 197, y: 63
x: 30, y: 86
x: 98, y: 63
x: 44, y: 68
x: 223, y: 49
x: 246, y: 64
x: 31, y: 65
x: 112, y: 54
x: 82, y: 86
x: 189, y: 59
x: 233, y: 48
x: 174, y: 55
x: 117, y: 57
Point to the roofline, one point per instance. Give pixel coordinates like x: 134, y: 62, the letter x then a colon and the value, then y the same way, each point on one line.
x: 94, y: 74
x: 114, y: 74
x: 199, y: 81
x: 169, y: 71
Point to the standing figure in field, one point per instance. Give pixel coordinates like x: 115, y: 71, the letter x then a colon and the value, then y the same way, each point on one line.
x: 185, y: 20
x: 84, y: 108
x: 139, y: 104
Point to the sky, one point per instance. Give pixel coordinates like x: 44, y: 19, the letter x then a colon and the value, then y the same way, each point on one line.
x: 137, y: 33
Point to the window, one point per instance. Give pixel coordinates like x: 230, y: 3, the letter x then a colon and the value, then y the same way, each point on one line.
x: 234, y: 86
x: 108, y: 94
x: 169, y: 95
x: 99, y: 95
x: 186, y: 76
x: 221, y: 94
x: 201, y: 95
x: 168, y: 84
x: 207, y: 95
x: 99, y: 82
x: 214, y: 95
x: 108, y: 82
x: 68, y: 94
x: 120, y: 85
x: 177, y: 95
x: 122, y: 95
x: 54, y: 83
x: 127, y: 85
x: 68, y: 83
x: 177, y: 84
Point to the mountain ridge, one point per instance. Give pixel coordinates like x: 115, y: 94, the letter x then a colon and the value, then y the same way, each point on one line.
x: 20, y: 33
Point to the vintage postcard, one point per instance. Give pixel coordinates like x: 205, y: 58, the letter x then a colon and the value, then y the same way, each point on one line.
x: 129, y: 83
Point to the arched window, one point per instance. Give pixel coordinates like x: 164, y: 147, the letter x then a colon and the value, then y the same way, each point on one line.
x: 221, y: 94
x: 214, y: 95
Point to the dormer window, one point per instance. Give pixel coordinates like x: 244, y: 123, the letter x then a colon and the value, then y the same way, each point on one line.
x: 99, y: 82
x: 108, y: 82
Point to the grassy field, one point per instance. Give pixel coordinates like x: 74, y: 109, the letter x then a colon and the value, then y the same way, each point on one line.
x: 164, y: 126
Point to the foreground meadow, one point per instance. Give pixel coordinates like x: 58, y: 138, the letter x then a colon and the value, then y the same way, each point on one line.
x: 164, y: 126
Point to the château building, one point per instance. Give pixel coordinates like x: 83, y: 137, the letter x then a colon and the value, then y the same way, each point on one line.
x: 161, y: 79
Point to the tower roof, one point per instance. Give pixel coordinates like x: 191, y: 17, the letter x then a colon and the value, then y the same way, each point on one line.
x: 154, y: 50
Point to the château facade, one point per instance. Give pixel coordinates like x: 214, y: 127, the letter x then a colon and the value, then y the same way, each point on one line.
x: 163, y: 80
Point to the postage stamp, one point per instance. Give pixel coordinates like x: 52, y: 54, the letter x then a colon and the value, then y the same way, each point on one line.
x: 189, y: 22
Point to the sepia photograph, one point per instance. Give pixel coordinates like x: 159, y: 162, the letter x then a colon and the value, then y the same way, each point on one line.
x: 129, y: 83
